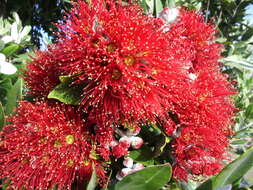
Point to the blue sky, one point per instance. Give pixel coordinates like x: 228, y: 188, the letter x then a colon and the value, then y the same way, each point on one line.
x: 249, y: 13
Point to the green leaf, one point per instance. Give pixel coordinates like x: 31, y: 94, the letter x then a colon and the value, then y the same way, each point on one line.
x: 13, y: 95
x: 170, y: 3
x: 231, y: 173
x: 11, y: 49
x: 93, y: 181
x: 238, y: 62
x: 235, y: 170
x: 143, y: 155
x: 25, y: 57
x: 143, y: 5
x: 226, y: 187
x: 249, y: 111
x: 248, y: 34
x: 2, y: 120
x: 65, y: 79
x: 66, y: 93
x: 150, y: 178
x: 240, y: 141
x: 158, y: 6
x: 207, y: 185
x: 249, y: 177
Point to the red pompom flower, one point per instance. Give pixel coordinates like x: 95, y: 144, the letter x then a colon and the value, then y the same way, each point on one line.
x: 123, y: 59
x: 46, y: 146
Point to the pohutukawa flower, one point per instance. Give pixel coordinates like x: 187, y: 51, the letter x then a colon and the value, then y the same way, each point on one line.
x: 47, y: 146
x: 124, y: 59
x: 203, y: 126
x: 42, y: 74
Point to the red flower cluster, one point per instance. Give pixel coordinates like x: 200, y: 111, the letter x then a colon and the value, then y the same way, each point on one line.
x: 46, y: 146
x: 202, y: 113
x: 133, y: 69
x: 123, y: 58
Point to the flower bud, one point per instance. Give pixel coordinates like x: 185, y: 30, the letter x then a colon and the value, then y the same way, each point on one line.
x: 136, y: 142
x: 125, y: 140
x: 128, y: 162
x: 138, y: 166
x: 133, y: 132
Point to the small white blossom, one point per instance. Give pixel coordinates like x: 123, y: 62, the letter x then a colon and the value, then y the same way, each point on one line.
x: 128, y: 162
x: 17, y: 34
x: 6, y: 67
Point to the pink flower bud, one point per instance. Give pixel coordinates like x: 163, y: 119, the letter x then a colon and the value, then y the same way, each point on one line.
x: 136, y: 142
x: 125, y: 140
x: 138, y: 166
x: 133, y: 132
x: 128, y: 162
x: 126, y: 171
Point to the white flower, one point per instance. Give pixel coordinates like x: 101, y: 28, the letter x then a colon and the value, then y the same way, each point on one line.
x: 16, y: 35
x: 128, y: 162
x: 169, y: 15
x: 6, y: 67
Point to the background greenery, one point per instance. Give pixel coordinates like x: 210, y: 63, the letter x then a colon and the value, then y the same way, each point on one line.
x: 33, y: 21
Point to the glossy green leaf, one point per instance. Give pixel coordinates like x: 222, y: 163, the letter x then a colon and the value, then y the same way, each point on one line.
x: 13, y: 95
x: 11, y: 49
x: 238, y: 62
x: 93, y: 181
x: 66, y: 93
x: 150, y: 178
x: 158, y: 7
x: 143, y: 155
x: 231, y: 173
x: 2, y: 121
x: 234, y: 171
